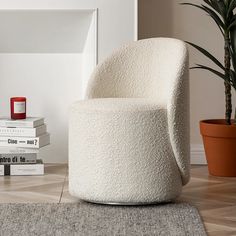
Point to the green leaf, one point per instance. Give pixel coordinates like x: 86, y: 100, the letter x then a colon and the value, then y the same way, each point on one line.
x: 221, y: 6
x: 214, y: 16
x: 232, y: 6
x: 233, y: 18
x: 227, y: 2
x: 213, y: 5
x: 207, y: 54
x: 209, y: 3
x: 233, y: 38
x: 219, y: 74
x: 232, y: 21
x: 233, y: 78
x: 232, y: 24
x: 233, y: 58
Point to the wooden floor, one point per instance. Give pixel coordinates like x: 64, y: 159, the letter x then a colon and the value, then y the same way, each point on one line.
x: 214, y: 197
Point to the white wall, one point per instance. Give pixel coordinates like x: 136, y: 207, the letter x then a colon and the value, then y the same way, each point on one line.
x: 50, y: 85
x: 44, y: 31
x: 47, y: 55
x: 116, y: 18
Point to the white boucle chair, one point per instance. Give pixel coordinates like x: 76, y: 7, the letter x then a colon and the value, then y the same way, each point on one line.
x: 129, y: 140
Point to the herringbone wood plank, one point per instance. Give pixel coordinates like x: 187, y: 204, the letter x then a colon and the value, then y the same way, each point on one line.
x: 214, y: 197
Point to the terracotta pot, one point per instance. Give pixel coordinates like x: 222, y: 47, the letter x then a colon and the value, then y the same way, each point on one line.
x: 220, y: 147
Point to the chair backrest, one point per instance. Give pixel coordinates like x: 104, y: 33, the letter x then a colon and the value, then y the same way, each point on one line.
x: 154, y: 68
x: 142, y: 69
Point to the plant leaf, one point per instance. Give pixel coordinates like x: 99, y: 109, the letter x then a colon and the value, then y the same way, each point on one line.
x: 213, y: 5
x: 233, y: 78
x: 233, y: 57
x: 219, y: 7
x: 233, y: 38
x: 207, y: 54
x: 214, y: 16
x: 232, y: 24
x: 232, y: 6
x: 227, y: 2
x: 222, y: 7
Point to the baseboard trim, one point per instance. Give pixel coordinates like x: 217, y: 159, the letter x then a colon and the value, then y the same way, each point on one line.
x: 198, y: 155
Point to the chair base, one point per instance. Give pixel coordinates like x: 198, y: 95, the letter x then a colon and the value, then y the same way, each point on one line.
x: 127, y: 203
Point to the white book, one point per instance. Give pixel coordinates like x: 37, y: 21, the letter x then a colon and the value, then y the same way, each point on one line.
x: 23, y: 132
x: 24, y: 169
x: 29, y: 122
x: 25, y: 142
x: 2, y: 170
x: 16, y: 158
x: 17, y: 150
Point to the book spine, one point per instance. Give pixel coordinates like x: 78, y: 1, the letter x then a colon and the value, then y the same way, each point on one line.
x: 24, y: 170
x: 2, y: 170
x: 18, y: 158
x: 25, y: 132
x: 18, y: 150
x: 16, y: 124
x: 25, y: 142
x: 21, y: 124
x: 19, y: 142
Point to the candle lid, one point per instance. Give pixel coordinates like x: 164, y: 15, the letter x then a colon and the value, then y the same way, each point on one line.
x: 18, y: 98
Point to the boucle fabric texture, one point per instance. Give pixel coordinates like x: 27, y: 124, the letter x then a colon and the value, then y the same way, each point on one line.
x: 84, y: 219
x: 129, y: 141
x: 120, y: 152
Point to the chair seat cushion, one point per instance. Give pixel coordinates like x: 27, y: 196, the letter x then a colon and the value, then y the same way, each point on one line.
x: 117, y: 105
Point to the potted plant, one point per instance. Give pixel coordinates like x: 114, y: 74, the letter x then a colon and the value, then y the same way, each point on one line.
x: 219, y: 136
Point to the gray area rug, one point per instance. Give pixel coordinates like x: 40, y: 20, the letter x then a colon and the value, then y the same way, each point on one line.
x: 90, y: 219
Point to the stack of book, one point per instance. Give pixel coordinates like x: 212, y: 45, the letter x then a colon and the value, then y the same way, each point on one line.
x: 20, y: 141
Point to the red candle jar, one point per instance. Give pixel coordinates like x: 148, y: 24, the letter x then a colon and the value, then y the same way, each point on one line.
x: 18, y: 108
